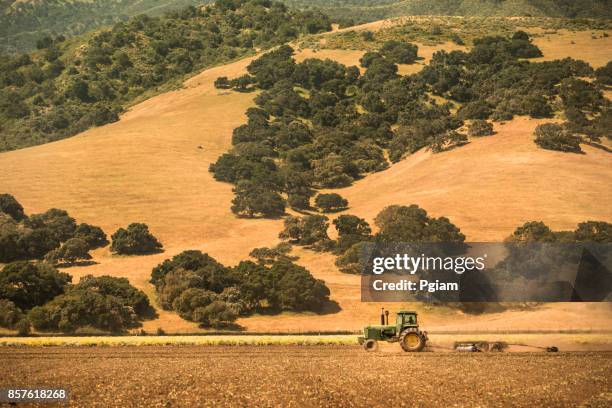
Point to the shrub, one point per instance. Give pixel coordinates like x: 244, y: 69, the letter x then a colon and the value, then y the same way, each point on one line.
x: 351, y: 230
x: 252, y: 199
x: 475, y: 110
x: 23, y: 328
x: 192, y: 299
x: 446, y: 141
x: 202, y: 290
x: 594, y: 231
x: 92, y: 235
x: 296, y: 288
x: 331, y: 202
x: 9, y: 205
x: 480, y: 128
x: 61, y: 225
x: 351, y: 260
x: 604, y: 74
x: 367, y: 35
x: 9, y: 314
x: 268, y: 256
x: 222, y: 83
x: 135, y: 240
x: 83, y: 308
x: 31, y: 284
x: 217, y: 313
x: 533, y: 231
x: 399, y: 52
x: 119, y: 288
x: 552, y: 136
x: 412, y: 224
x: 187, y: 261
x: 310, y: 230
x: 71, y: 251
x: 457, y: 39
x: 299, y: 201
x: 580, y: 94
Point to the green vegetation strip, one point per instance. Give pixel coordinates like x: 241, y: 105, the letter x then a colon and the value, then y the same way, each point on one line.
x: 238, y: 340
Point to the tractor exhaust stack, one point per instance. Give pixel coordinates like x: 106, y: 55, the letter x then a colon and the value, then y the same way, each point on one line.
x: 382, y: 316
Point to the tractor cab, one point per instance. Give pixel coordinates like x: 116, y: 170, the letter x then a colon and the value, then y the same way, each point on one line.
x: 406, y: 319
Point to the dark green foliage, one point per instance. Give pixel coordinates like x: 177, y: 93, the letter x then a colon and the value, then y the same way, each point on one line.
x: 254, y: 199
x: 299, y: 201
x: 57, y: 222
x: 579, y: 94
x: 135, y: 240
x: 9, y: 205
x: 396, y: 224
x: 296, y: 289
x: 31, y: 284
x: 457, y: 39
x: 604, y: 74
x: 222, y: 83
x: 76, y: 309
x: 121, y: 289
x: 367, y: 35
x: 202, y: 290
x: 399, y: 52
x: 92, y: 235
x: 480, y: 128
x: 588, y: 231
x: 446, y: 141
x: 104, y: 303
x: 310, y: 230
x: 267, y: 256
x: 533, y: 231
x: 331, y: 202
x: 23, y: 327
x: 189, y: 261
x: 594, y: 231
x: 351, y: 261
x: 71, y: 252
x: 10, y: 314
x: 351, y: 230
x: 36, y: 236
x: 475, y: 110
x: 68, y: 87
x: 552, y: 136
x: 412, y: 224
x: 320, y: 124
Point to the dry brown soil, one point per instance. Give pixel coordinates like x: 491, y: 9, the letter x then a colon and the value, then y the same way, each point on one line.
x: 310, y: 376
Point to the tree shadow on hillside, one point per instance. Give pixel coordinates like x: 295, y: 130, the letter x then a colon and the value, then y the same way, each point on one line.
x: 227, y: 326
x: 598, y: 146
x: 453, y: 146
x: 330, y: 307
x: 75, y: 264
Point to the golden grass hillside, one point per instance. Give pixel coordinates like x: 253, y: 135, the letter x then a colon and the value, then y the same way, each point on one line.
x: 152, y: 167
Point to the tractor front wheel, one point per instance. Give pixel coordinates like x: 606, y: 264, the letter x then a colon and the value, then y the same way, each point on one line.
x: 412, y: 341
x: 370, y: 345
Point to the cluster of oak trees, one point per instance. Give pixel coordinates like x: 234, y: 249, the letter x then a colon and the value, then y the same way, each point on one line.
x: 36, y: 294
x: 319, y: 124
x: 56, y: 237
x: 62, y: 89
x: 202, y: 290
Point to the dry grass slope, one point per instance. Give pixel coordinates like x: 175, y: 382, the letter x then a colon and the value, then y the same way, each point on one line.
x: 152, y: 167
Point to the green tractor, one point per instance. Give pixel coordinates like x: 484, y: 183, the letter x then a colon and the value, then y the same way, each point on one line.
x: 405, y: 331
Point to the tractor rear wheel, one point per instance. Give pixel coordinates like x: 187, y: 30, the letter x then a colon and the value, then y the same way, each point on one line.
x: 412, y: 341
x: 370, y: 345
